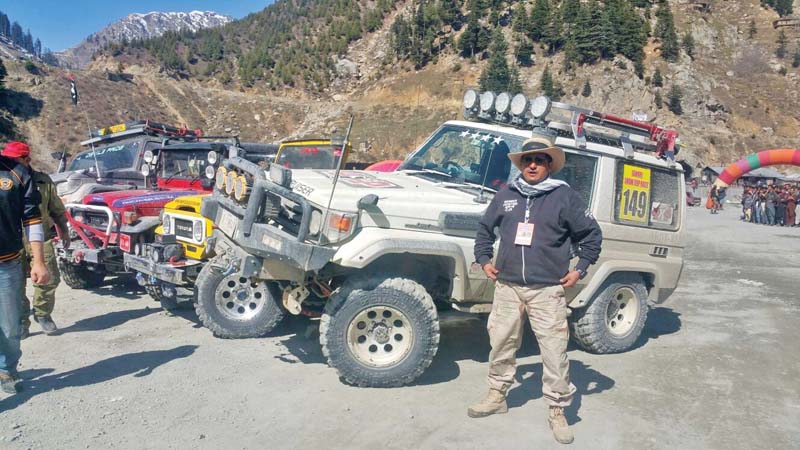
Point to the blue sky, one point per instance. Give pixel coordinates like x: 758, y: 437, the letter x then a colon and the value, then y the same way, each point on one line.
x: 62, y: 24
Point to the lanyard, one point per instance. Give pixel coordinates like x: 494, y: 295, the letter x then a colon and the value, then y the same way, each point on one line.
x: 527, y: 209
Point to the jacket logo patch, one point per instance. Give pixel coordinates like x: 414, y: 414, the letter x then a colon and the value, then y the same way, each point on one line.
x: 6, y: 184
x: 509, y: 205
x: 588, y: 213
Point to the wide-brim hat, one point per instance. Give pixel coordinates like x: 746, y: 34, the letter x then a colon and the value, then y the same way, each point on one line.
x: 539, y: 144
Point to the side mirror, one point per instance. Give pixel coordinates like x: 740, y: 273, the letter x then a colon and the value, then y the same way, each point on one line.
x: 58, y: 156
x: 368, y: 201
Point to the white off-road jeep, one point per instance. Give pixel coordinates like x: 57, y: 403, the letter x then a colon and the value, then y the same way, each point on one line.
x: 377, y: 255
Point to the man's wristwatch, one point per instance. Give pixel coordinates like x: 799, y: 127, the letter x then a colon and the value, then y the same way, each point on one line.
x: 581, y: 272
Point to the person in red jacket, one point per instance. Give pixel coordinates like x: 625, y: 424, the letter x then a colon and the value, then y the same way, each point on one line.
x: 19, y: 208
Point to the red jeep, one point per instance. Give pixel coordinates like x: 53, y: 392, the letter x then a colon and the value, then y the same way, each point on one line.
x: 106, y: 225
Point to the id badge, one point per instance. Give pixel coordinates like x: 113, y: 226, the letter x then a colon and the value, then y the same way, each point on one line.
x: 524, y: 234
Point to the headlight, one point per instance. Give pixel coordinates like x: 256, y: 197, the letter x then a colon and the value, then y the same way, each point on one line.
x: 212, y: 157
x: 502, y: 103
x: 198, y: 231
x: 240, y: 189
x: 166, y: 224
x: 210, y: 172
x: 518, y: 104
x: 145, y: 170
x: 148, y: 156
x: 339, y: 226
x: 230, y: 182
x: 221, y: 175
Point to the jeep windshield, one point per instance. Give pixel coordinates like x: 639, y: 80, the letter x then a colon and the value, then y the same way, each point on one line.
x: 465, y: 155
x: 110, y: 157
x: 309, y: 156
x: 183, y: 164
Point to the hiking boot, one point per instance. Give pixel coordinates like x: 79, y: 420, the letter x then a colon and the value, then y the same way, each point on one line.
x: 47, y: 324
x: 8, y: 384
x: 558, y: 423
x: 493, y: 403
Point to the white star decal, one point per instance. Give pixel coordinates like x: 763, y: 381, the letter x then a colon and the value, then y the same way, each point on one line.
x: 465, y: 133
x: 497, y: 140
x: 486, y: 138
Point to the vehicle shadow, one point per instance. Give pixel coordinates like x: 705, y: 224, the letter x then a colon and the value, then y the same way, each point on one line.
x: 661, y: 321
x: 301, y: 341
x: 139, y: 364
x: 108, y: 320
x: 122, y: 286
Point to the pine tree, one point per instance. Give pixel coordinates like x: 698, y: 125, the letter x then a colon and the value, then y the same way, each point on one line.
x: 3, y: 74
x: 5, y: 25
x: 570, y: 10
x: 674, y: 100
x: 524, y: 52
x: 665, y: 31
x: 546, y: 83
x: 658, y: 80
x: 514, y: 82
x: 780, y: 52
x: 688, y: 44
x: 540, y: 18
x: 796, y: 58
x: 519, y: 19
x: 752, y: 30
x: 783, y: 7
x: 657, y: 100
x: 587, y: 34
x: 496, y: 75
x: 587, y: 89
x: 474, y: 38
x: 450, y: 12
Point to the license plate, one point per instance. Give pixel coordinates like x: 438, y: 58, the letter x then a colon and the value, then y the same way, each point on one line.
x: 228, y: 223
x: 125, y: 242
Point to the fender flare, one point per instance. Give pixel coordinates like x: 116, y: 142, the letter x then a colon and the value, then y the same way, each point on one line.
x: 606, y: 271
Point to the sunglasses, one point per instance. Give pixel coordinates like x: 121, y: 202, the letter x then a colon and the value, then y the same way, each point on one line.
x: 538, y: 159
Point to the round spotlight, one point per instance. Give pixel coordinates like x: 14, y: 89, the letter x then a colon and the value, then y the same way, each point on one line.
x: 240, y: 188
x: 487, y: 101
x: 148, y: 156
x: 540, y: 106
x: 518, y: 104
x: 209, y: 172
x: 230, y: 182
x: 221, y: 175
x: 212, y: 157
x: 470, y: 99
x: 145, y: 170
x: 502, y: 103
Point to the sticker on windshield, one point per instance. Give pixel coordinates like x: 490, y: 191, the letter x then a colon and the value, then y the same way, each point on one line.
x: 635, y: 194
x: 358, y: 179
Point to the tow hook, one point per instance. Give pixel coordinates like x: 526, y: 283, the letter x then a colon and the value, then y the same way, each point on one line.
x: 77, y: 257
x: 293, y: 298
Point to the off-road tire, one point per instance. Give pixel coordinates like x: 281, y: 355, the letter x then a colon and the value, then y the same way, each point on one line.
x: 360, y: 294
x: 590, y: 325
x: 268, y: 317
x: 78, y: 276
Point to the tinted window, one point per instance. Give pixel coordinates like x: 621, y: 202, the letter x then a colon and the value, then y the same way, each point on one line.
x: 183, y: 164
x: 578, y: 172
x: 120, y: 156
x: 647, y: 196
x: 309, y: 156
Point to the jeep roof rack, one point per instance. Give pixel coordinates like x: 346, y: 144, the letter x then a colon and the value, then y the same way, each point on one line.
x: 148, y: 127
x: 584, y: 125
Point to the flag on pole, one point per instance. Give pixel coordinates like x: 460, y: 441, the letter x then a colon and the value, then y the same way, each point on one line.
x: 73, y: 90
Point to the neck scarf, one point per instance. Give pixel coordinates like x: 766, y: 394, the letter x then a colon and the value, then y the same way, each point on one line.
x: 535, y: 190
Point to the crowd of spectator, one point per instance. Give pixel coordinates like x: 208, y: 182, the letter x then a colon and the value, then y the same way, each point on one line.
x: 771, y: 205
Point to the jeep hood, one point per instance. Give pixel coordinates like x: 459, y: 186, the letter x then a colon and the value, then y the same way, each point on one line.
x: 144, y: 202
x: 402, y: 196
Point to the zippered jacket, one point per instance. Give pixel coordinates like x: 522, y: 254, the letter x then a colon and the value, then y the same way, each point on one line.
x: 19, y: 206
x: 561, y: 220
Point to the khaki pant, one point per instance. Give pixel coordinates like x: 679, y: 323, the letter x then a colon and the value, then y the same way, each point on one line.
x: 44, y: 295
x: 546, y: 308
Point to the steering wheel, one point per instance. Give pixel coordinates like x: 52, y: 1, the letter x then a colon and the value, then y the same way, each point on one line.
x: 453, y: 168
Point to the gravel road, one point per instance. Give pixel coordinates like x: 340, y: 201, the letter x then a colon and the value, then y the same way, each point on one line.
x: 717, y: 367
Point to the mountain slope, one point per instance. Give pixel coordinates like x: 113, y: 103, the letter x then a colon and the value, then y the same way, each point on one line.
x: 137, y: 27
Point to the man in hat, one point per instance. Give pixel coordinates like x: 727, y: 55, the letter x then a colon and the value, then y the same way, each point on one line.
x: 52, y: 211
x: 539, y: 219
x: 19, y: 207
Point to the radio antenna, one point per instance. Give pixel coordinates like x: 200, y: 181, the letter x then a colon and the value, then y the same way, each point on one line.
x: 338, y: 169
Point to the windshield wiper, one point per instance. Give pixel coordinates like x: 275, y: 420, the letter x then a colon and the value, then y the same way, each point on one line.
x: 174, y: 175
x: 424, y: 170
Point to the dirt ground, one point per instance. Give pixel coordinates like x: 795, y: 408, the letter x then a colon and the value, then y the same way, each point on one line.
x: 717, y: 367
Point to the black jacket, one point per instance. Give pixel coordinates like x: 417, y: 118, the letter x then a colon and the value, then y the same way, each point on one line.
x: 19, y: 206
x: 560, y: 219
